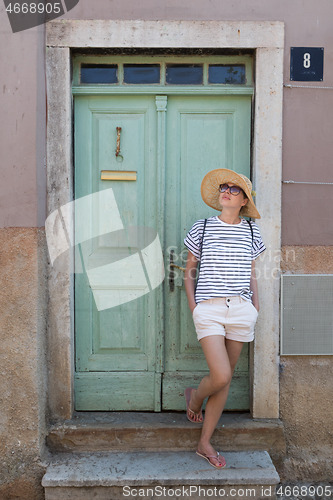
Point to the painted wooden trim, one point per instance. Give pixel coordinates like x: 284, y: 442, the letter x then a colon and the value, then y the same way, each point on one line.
x: 161, y: 108
x: 144, y: 387
x: 169, y: 34
x: 160, y: 90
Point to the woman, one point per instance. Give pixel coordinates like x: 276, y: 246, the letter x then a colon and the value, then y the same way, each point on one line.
x: 224, y: 301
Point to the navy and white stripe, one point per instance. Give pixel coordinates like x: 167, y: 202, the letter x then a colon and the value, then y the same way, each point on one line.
x: 227, y: 253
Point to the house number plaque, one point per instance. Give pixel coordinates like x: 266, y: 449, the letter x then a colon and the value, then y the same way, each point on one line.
x: 306, y: 64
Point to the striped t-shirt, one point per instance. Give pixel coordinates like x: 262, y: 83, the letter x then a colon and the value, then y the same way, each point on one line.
x: 227, y: 252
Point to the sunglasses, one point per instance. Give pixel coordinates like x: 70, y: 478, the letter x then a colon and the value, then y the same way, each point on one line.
x: 234, y: 190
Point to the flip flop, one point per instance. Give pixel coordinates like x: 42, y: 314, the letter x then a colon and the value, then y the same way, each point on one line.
x: 218, y: 457
x: 192, y: 416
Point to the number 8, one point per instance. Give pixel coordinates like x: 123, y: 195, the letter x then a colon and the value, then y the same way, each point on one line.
x: 306, y: 61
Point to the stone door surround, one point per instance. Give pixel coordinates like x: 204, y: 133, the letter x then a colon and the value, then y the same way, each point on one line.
x: 267, y: 40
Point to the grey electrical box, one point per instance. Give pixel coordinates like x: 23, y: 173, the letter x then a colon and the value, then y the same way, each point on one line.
x: 307, y: 314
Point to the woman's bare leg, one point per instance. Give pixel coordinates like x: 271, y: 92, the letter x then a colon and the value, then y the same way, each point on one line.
x: 221, y: 356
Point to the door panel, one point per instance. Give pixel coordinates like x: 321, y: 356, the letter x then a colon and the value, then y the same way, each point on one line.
x: 115, y: 299
x: 203, y: 133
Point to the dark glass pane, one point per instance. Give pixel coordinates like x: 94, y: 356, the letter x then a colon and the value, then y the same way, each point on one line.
x: 141, y: 73
x: 184, y: 74
x: 99, y: 73
x: 222, y: 73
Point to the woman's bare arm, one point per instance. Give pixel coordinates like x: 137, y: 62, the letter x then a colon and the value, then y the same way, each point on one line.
x: 254, y: 286
x: 190, y: 279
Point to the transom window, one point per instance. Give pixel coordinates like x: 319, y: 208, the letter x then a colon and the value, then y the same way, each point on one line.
x: 99, y: 73
x: 142, y: 73
x: 162, y: 71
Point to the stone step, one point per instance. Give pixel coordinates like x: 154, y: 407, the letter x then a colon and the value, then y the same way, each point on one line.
x: 135, y: 431
x: 151, y: 475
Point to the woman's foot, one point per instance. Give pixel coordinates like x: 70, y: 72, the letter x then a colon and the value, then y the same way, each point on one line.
x: 213, y: 457
x: 193, y: 412
x: 216, y: 460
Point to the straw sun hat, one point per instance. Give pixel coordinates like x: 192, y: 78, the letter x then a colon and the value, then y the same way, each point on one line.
x: 210, y: 190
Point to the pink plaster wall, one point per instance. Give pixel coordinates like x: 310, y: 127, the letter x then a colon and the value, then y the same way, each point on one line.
x: 22, y: 137
x: 308, y: 117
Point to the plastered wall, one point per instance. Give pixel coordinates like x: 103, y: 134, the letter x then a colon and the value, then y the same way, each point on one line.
x: 307, y: 148
x: 307, y: 156
x: 23, y: 372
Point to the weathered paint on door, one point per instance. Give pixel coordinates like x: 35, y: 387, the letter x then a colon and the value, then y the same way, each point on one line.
x: 140, y: 354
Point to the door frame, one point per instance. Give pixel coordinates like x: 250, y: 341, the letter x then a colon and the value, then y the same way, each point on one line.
x: 267, y: 41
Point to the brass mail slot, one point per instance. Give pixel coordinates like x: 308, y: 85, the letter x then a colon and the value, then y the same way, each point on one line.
x: 118, y: 175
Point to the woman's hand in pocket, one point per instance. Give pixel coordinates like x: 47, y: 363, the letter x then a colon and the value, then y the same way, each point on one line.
x: 256, y: 306
x: 192, y: 308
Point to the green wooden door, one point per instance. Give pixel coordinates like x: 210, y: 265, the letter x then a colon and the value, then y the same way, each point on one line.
x: 118, y: 365
x: 203, y: 134
x: 136, y: 347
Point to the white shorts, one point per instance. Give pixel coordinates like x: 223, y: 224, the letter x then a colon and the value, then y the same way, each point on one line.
x: 232, y: 317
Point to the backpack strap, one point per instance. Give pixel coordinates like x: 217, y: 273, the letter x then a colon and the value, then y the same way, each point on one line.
x: 201, y: 245
x: 249, y: 223
x: 202, y: 237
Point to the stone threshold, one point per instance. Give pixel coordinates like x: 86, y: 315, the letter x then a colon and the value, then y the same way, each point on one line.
x: 167, y: 431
